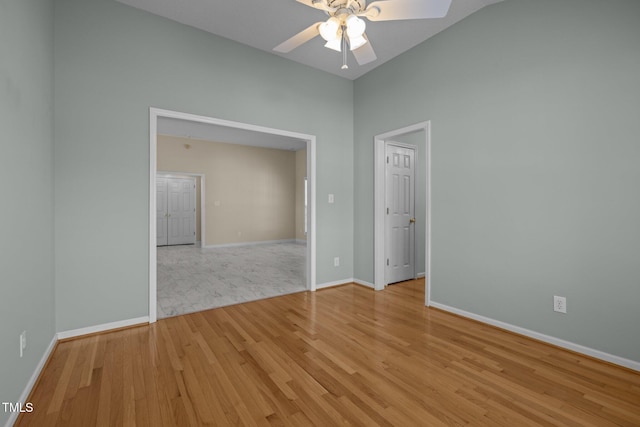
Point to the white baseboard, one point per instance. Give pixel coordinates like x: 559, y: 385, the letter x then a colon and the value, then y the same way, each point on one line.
x: 421, y: 275
x: 597, y: 354
x: 102, y: 328
x: 344, y: 282
x: 363, y: 283
x: 261, y: 242
x: 13, y: 416
x: 332, y: 284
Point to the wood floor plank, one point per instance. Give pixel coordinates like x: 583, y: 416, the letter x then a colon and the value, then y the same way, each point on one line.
x: 341, y: 356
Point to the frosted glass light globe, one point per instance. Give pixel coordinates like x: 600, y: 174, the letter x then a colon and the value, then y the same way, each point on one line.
x: 329, y: 30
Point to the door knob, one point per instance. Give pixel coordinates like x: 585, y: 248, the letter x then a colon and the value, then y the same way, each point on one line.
x: 412, y: 220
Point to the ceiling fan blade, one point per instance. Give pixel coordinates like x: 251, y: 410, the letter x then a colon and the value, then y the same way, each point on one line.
x: 317, y: 4
x: 364, y: 54
x: 299, y: 39
x: 391, y: 10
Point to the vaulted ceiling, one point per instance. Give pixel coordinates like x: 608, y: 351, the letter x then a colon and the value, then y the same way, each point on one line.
x: 264, y: 24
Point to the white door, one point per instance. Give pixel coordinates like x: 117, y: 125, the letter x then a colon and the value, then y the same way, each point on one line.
x: 177, y: 198
x: 400, y: 218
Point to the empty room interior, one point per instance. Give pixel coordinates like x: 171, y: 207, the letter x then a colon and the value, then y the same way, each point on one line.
x: 448, y: 216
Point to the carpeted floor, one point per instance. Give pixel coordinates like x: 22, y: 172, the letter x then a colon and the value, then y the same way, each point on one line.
x: 193, y: 279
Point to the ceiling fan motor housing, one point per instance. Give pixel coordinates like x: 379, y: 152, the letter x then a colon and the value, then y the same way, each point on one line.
x: 349, y: 6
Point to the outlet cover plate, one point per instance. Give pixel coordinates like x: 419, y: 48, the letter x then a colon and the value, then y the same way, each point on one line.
x: 559, y: 304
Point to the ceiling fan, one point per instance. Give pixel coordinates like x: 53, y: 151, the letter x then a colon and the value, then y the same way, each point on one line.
x: 346, y: 26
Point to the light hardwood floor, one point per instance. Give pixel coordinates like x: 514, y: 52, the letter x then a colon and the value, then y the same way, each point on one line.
x: 341, y: 356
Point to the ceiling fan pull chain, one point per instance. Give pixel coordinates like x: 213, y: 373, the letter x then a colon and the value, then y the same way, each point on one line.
x: 344, y: 52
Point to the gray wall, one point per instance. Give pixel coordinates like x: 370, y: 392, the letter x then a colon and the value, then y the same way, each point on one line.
x: 26, y: 173
x: 535, y: 152
x: 112, y: 63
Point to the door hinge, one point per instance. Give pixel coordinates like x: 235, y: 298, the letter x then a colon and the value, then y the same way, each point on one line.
x: 194, y: 233
x: 387, y: 261
x: 387, y: 159
x: 387, y: 211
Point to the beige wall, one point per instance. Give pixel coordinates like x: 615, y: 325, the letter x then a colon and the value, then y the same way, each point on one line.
x: 250, y: 193
x: 301, y: 172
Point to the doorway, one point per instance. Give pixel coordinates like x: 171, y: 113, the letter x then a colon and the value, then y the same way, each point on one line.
x: 243, y: 129
x: 400, y: 239
x: 418, y: 135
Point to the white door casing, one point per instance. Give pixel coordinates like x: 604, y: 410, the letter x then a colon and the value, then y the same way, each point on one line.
x: 400, y: 212
x: 179, y: 208
x: 424, y: 129
x: 157, y: 113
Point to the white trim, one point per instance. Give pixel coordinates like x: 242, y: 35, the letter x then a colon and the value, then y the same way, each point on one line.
x: 334, y: 283
x: 363, y: 283
x: 421, y: 275
x: 427, y: 241
x: 203, y: 212
x: 154, y: 113
x: 258, y: 243
x: 153, y: 241
x: 102, y: 328
x: 379, y: 202
x: 597, y: 354
x: 311, y: 213
x: 13, y: 416
x: 345, y: 282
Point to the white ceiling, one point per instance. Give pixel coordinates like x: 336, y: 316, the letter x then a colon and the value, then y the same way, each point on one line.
x: 229, y: 135
x: 264, y: 24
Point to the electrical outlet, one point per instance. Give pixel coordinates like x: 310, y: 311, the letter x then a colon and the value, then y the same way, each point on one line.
x: 559, y: 304
x: 23, y: 342
x: 331, y: 198
x: 336, y: 261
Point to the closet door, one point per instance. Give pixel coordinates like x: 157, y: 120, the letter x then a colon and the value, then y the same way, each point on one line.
x: 181, y: 211
x: 175, y: 211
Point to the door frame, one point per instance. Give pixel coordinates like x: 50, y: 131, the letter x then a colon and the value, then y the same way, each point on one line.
x: 176, y: 174
x: 154, y: 115
x: 379, y: 203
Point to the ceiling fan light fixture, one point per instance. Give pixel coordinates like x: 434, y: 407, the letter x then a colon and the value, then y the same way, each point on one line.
x: 329, y: 29
x: 356, y: 42
x: 344, y: 24
x: 334, y: 44
x: 355, y: 26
